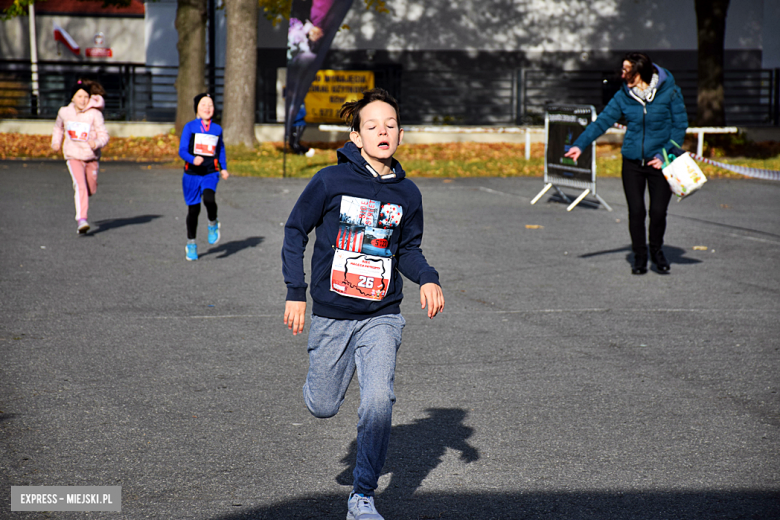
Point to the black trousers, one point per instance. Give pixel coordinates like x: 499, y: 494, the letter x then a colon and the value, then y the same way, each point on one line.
x: 635, y: 178
x: 296, y: 134
x: 209, y: 200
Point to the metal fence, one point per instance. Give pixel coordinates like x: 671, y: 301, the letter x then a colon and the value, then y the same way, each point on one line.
x: 751, y: 96
x: 133, y: 92
x: 459, y: 97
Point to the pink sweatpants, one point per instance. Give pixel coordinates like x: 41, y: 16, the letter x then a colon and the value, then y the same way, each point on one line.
x: 84, y: 175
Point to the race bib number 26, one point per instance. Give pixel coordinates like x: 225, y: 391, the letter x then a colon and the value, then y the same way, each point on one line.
x: 360, y: 276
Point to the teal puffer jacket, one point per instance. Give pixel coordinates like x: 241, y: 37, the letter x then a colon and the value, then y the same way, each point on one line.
x: 651, y: 125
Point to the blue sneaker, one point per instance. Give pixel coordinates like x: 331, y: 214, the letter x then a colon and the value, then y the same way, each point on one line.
x: 214, y: 233
x: 192, y: 251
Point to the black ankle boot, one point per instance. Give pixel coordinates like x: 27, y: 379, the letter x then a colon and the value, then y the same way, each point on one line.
x: 640, y: 264
x: 658, y: 258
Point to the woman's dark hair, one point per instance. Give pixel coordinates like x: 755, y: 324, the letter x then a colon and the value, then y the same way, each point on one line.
x: 350, y: 111
x: 641, y: 64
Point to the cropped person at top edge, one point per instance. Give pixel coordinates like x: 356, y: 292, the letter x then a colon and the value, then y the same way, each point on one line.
x: 652, y: 105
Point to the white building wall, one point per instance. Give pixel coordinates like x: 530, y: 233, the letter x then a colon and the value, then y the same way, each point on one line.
x: 161, y: 37
x: 771, y: 34
x: 120, y: 34
x: 543, y: 25
x: 530, y: 26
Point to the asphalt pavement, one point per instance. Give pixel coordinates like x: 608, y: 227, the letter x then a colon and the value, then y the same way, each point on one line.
x: 555, y: 385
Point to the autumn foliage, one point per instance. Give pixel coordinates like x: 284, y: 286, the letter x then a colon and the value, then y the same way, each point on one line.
x: 465, y: 159
x: 161, y: 148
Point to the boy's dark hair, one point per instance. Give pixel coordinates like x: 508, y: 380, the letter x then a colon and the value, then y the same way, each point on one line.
x: 641, y: 64
x: 350, y: 111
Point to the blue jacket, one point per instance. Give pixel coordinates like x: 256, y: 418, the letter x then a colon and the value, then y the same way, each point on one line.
x: 372, y: 221
x: 300, y: 117
x: 211, y: 163
x: 650, y: 125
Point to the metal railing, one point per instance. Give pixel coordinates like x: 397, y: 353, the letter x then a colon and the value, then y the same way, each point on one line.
x: 751, y: 96
x: 133, y: 92
x: 445, y: 97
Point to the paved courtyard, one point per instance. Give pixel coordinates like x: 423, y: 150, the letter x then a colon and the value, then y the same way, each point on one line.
x: 555, y: 385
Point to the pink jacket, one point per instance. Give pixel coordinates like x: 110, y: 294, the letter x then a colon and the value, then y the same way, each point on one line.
x: 80, y: 127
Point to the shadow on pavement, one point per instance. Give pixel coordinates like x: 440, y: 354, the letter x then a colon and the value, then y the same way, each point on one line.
x: 231, y: 248
x: 584, y: 203
x: 607, y: 252
x: 416, y: 449
x: 105, y: 225
x: 618, y: 505
x: 675, y: 255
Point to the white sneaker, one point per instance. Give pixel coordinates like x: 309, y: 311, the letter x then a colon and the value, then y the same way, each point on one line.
x: 362, y: 508
x: 83, y: 226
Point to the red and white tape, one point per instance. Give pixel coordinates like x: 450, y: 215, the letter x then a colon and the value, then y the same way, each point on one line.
x: 757, y: 173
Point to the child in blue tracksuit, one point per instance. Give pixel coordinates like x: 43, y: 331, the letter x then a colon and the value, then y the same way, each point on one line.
x: 369, y: 220
x: 203, y: 152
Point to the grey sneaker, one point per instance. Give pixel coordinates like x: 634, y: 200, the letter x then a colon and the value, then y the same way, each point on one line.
x: 360, y: 507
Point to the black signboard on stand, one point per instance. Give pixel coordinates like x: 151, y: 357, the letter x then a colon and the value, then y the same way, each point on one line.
x: 563, y: 125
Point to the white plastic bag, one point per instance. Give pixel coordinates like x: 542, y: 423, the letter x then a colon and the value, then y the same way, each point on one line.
x: 683, y: 175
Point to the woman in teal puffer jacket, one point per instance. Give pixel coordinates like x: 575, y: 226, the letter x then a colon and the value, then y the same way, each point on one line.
x: 653, y: 107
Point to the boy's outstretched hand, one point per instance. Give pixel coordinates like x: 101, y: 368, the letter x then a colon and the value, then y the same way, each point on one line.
x: 431, y: 294
x: 295, y: 316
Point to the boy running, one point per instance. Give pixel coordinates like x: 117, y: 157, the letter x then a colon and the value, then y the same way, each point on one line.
x: 369, y: 221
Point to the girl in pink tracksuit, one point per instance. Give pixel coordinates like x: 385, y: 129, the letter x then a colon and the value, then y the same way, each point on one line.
x: 81, y: 123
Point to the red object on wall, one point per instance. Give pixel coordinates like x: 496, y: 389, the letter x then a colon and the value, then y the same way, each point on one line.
x: 134, y: 9
x: 98, y: 52
x: 62, y: 36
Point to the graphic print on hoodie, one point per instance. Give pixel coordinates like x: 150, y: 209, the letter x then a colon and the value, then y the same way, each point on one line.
x: 363, y: 261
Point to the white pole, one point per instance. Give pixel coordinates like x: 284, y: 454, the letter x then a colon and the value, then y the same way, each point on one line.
x: 34, y: 57
x: 700, y: 145
x: 527, y: 143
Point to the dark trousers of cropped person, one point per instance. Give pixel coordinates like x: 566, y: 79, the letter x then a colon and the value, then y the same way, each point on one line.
x: 193, y: 211
x: 636, y: 178
x: 296, y: 134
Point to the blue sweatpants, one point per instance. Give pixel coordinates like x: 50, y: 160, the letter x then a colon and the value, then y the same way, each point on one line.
x: 338, y: 348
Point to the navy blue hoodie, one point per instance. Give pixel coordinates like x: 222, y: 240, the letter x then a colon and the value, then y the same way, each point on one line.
x: 368, y: 229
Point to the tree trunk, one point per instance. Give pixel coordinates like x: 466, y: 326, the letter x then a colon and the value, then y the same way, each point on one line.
x: 191, y: 17
x: 711, y: 27
x: 238, y: 117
